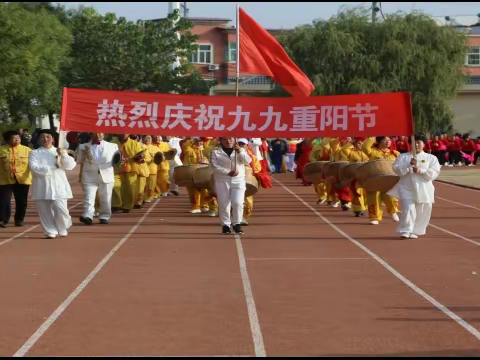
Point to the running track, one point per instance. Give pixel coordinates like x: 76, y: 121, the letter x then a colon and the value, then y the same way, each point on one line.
x: 303, y: 280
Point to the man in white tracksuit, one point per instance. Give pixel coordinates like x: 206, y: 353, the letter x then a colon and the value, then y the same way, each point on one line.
x: 174, y: 143
x: 97, y: 175
x: 415, y: 189
x: 50, y: 186
x: 228, y: 162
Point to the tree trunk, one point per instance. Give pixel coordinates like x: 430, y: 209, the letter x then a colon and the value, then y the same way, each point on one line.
x: 50, y: 120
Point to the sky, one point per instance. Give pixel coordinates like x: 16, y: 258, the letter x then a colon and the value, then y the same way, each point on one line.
x: 273, y: 15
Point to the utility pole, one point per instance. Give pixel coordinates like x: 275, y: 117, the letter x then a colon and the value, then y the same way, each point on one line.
x: 185, y: 9
x: 375, y: 9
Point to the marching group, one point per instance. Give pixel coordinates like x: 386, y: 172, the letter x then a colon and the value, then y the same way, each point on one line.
x: 141, y: 178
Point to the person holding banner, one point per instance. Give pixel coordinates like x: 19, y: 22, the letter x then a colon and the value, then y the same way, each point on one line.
x: 125, y: 186
x: 415, y: 189
x: 50, y: 187
x: 228, y: 162
x: 97, y: 177
x: 375, y: 198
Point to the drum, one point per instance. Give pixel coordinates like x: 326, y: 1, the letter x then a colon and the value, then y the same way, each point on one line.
x: 202, y: 177
x: 377, y: 175
x: 347, y: 173
x: 183, y: 175
x: 252, y: 182
x: 332, y: 169
x: 313, y: 171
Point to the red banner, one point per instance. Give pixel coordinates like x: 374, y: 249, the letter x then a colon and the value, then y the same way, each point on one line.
x: 124, y: 112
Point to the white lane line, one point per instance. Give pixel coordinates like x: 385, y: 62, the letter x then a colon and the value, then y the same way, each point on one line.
x: 261, y: 259
x: 252, y: 310
x: 30, y: 229
x: 453, y: 234
x: 457, y: 203
x: 457, y: 186
x: 64, y: 305
x: 407, y: 282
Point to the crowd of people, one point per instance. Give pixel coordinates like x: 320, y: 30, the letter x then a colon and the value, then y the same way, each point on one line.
x: 108, y: 188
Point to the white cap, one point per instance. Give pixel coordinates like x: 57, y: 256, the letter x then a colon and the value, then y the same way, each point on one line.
x: 242, y: 140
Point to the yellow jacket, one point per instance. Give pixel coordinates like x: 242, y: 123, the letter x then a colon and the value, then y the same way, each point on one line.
x: 14, y: 165
x: 193, y: 155
x: 163, y: 147
x: 377, y: 154
x: 212, y: 144
x: 143, y: 168
x: 128, y: 149
x: 350, y: 154
x: 257, y: 167
x: 318, y: 152
x: 152, y: 167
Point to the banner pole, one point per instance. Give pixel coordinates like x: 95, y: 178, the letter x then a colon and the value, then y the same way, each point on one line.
x: 237, y: 66
x: 414, y: 150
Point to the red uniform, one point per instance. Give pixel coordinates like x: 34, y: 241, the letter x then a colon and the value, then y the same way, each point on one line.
x: 468, y: 145
x: 264, y: 150
x: 402, y: 146
x: 454, y: 145
x: 303, y: 159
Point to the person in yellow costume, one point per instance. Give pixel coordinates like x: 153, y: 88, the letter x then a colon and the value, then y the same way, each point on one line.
x: 15, y: 177
x: 320, y: 153
x: 212, y: 144
x: 126, y: 175
x: 143, y: 175
x: 332, y: 199
x: 163, y: 174
x: 152, y: 169
x: 375, y: 199
x: 193, y: 154
x: 353, y: 153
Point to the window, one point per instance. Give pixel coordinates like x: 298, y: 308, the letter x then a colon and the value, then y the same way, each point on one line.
x: 232, y: 52
x: 203, y: 55
x: 473, y: 56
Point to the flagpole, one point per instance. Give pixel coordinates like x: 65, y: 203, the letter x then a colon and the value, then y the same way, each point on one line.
x: 238, y: 54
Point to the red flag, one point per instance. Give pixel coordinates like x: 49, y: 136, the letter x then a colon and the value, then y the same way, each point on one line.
x: 261, y: 54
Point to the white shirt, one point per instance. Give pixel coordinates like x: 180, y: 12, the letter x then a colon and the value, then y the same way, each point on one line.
x: 102, y: 162
x: 48, y: 182
x: 416, y: 186
x: 222, y: 164
x: 255, y: 143
x: 97, y: 150
x: 174, y: 143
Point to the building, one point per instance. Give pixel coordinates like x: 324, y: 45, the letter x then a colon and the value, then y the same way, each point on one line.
x: 466, y: 105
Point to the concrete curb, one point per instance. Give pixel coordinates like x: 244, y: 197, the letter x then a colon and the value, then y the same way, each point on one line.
x: 459, y: 185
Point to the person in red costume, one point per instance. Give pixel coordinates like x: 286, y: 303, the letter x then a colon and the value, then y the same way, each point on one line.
x: 302, y: 158
x: 264, y: 150
x: 468, y: 148
x: 454, y: 146
x: 402, y: 145
x: 438, y: 149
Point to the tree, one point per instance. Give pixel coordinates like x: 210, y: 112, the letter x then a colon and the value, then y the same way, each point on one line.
x: 116, y: 54
x: 33, y: 49
x: 406, y: 52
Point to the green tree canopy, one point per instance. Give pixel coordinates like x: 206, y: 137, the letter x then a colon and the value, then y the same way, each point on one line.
x: 116, y: 54
x: 349, y: 54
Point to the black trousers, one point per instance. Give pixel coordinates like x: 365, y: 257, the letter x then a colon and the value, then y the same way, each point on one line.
x: 454, y: 157
x: 20, y: 193
x: 441, y: 156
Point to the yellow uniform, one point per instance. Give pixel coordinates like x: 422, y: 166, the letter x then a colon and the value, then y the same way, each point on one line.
x: 248, y: 204
x: 126, y: 175
x: 319, y: 153
x: 327, y: 144
x: 163, y: 179
x: 143, y: 175
x: 352, y: 155
x: 375, y: 199
x: 198, y: 199
x: 14, y: 165
x: 152, y: 177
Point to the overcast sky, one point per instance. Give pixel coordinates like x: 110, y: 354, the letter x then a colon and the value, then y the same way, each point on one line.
x: 273, y: 14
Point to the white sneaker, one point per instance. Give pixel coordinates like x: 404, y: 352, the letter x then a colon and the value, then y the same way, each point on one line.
x: 164, y: 194
x: 212, y: 214
x: 450, y: 165
x: 321, y: 202
x: 374, y: 222
x: 64, y: 234
x: 413, y: 236
x: 335, y: 205
x: 204, y: 211
x: 459, y: 164
x: 405, y: 236
x: 196, y: 211
x: 395, y: 218
x: 470, y: 165
x: 50, y: 236
x: 155, y: 197
x: 147, y: 201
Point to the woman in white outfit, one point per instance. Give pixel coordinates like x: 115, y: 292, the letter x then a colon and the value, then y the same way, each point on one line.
x: 50, y: 185
x: 415, y: 189
x: 228, y: 162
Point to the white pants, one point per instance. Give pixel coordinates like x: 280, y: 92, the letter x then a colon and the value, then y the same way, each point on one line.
x: 230, y: 196
x: 173, y: 164
x: 415, y: 217
x: 104, y: 197
x: 291, y: 162
x: 54, y: 216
